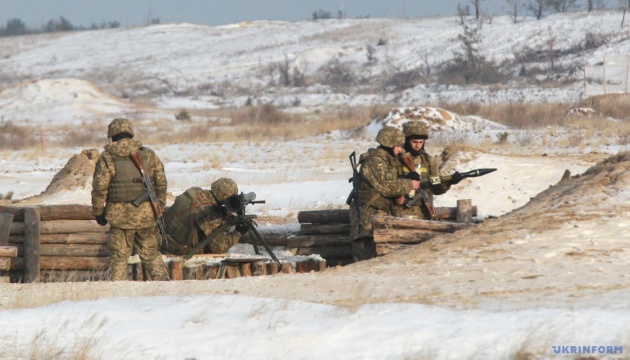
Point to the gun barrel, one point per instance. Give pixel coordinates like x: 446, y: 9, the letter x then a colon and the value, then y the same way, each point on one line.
x: 257, y: 202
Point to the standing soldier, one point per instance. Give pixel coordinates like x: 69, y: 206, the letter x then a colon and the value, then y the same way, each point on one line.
x: 380, y: 183
x: 416, y: 158
x: 117, y: 182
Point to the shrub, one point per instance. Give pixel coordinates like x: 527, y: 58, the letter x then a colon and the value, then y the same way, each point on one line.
x: 502, y: 137
x: 183, y: 115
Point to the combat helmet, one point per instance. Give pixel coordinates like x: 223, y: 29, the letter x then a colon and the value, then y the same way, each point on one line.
x: 390, y: 137
x: 223, y: 188
x: 416, y: 129
x: 119, y: 126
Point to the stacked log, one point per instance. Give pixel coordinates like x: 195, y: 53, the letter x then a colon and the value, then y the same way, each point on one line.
x: 327, y: 232
x: 231, y: 268
x: 57, y: 243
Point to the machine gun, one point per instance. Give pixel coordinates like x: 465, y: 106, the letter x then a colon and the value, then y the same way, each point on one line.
x: 438, y: 180
x: 147, y: 182
x: 233, y: 213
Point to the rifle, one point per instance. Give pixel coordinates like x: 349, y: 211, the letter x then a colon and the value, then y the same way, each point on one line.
x: 439, y: 179
x: 233, y: 212
x: 147, y: 182
x: 355, y: 187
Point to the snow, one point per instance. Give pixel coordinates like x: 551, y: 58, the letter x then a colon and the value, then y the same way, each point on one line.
x: 539, y: 283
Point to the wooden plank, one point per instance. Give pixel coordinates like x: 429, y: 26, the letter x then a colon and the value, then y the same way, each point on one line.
x: 323, y: 229
x: 399, y: 223
x: 287, y: 268
x: 246, y: 269
x: 73, y: 250
x: 464, y: 211
x: 272, y: 268
x: 193, y: 272
x: 5, y: 227
x: 317, y: 240
x: 259, y: 268
x: 65, y: 263
x: 175, y: 268
x: 88, y: 238
x: 5, y: 263
x: 8, y: 251
x: 62, y: 227
x: 31, y: 244
x: 336, y: 216
x: 403, y: 236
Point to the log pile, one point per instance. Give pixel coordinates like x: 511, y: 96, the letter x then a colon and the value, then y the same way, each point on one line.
x: 327, y: 232
x: 64, y: 243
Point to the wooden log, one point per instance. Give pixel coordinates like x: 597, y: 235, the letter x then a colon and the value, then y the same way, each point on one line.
x: 193, y: 272
x: 175, y: 269
x: 89, y: 238
x: 8, y: 251
x: 287, y: 268
x: 5, y: 227
x: 342, y: 216
x: 272, y: 268
x: 464, y: 211
x: 62, y: 227
x: 73, y: 250
x: 320, y: 265
x: 246, y: 269
x: 301, y: 267
x: 403, y: 236
x: 259, y: 268
x: 5, y: 263
x: 210, y: 271
x: 336, y: 216
x: 327, y: 252
x: 66, y: 212
x: 271, y: 239
x: 317, y: 240
x: 32, y: 264
x: 323, y: 229
x: 232, y: 271
x: 16, y: 211
x: 398, y: 223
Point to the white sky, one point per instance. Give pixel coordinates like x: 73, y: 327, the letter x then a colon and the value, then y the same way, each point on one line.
x: 215, y: 12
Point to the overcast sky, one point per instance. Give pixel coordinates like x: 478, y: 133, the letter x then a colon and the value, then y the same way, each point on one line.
x: 219, y: 12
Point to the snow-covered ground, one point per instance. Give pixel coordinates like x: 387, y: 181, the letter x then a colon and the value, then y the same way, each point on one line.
x: 547, y: 278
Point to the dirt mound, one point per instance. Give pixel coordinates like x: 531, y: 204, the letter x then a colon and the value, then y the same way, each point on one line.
x: 598, y: 193
x: 77, y: 173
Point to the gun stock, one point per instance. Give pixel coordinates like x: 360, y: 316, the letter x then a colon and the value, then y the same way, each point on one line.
x: 136, y: 158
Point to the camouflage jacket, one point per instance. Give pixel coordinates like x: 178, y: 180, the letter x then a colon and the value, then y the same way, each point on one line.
x: 380, y: 179
x: 126, y: 215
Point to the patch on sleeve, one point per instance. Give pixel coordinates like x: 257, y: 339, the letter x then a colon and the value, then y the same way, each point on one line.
x: 389, y: 176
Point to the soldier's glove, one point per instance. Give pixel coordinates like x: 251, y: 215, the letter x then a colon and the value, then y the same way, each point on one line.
x: 456, y: 178
x: 100, y: 219
x: 242, y: 228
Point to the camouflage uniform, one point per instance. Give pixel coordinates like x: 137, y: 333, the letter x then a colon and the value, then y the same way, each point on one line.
x: 116, y: 183
x: 196, y: 214
x: 427, y: 170
x: 380, y: 183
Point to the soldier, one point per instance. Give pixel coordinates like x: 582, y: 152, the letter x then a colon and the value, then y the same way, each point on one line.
x: 380, y: 182
x: 117, y: 182
x: 196, y: 214
x: 416, y: 133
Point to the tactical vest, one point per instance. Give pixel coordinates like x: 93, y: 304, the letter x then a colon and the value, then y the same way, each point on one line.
x: 181, y: 218
x: 126, y: 186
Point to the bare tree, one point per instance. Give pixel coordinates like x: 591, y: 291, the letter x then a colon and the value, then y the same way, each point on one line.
x: 624, y: 5
x: 513, y: 9
x: 563, y: 5
x: 477, y: 5
x: 589, y: 5
x: 538, y: 7
x: 550, y: 43
x: 462, y: 11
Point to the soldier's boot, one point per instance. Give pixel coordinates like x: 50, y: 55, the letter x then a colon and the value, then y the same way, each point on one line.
x: 363, y: 248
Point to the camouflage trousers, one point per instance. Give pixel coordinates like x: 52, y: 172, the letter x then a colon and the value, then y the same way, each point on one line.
x: 121, y: 244
x: 362, y: 232
x: 415, y: 212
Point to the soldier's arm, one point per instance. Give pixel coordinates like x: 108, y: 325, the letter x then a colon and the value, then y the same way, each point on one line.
x: 100, y: 185
x: 384, y: 179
